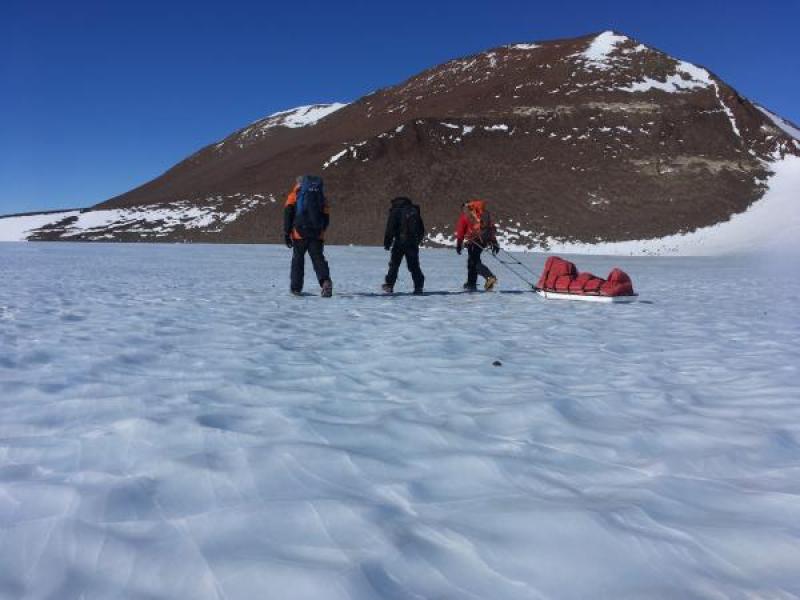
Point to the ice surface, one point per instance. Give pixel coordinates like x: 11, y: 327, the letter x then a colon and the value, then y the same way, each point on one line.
x: 174, y: 425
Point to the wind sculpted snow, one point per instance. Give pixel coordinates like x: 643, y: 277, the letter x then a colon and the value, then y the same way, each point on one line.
x: 174, y: 425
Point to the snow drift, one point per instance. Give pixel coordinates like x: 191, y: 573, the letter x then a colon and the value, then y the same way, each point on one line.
x: 174, y: 425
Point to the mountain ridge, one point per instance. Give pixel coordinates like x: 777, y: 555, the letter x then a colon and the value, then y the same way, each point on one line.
x: 574, y: 139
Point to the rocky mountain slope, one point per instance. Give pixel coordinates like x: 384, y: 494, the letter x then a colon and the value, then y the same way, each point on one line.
x: 593, y: 139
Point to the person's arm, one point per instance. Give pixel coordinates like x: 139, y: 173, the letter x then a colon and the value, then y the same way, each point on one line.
x: 423, y: 231
x: 326, y: 214
x: 461, y: 231
x: 289, y: 210
x: 388, y: 236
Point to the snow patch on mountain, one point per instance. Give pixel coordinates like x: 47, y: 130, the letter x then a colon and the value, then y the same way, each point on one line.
x: 154, y: 220
x: 304, y: 116
x: 781, y: 123
x: 353, y: 150
x: 17, y: 228
x: 598, y: 54
x: 686, y: 77
x: 157, y: 220
x: 523, y: 46
x: 335, y: 158
x: 301, y: 116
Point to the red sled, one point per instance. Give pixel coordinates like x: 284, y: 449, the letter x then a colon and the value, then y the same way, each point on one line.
x: 561, y: 280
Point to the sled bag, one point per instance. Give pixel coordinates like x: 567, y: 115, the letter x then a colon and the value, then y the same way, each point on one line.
x: 617, y: 284
x: 554, y: 268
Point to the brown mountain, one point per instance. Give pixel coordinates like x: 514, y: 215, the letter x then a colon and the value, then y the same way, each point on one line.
x: 597, y: 137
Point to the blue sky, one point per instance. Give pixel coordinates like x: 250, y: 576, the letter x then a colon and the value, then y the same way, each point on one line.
x: 98, y: 97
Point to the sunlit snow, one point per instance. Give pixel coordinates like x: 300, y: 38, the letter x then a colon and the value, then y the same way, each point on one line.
x: 523, y: 46
x: 597, y: 55
x: 149, y: 220
x: 301, y: 116
x: 173, y: 424
x: 782, y: 124
x: 18, y: 228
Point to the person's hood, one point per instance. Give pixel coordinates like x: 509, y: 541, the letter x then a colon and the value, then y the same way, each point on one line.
x: 401, y: 201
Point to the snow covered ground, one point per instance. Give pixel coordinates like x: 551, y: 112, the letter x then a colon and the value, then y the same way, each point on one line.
x: 17, y: 228
x: 149, y: 221
x: 174, y: 425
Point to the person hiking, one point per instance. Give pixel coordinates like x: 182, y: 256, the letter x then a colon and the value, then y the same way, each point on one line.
x: 305, y: 220
x: 404, y: 233
x: 476, y: 231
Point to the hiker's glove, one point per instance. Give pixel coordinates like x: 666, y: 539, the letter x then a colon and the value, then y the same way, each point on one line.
x: 288, y: 240
x: 495, y: 249
x: 387, y: 248
x: 459, y: 246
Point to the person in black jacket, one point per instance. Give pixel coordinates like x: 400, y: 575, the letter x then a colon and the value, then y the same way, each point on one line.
x: 404, y: 233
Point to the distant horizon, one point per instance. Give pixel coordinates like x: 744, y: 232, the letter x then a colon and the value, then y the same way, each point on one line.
x: 104, y: 99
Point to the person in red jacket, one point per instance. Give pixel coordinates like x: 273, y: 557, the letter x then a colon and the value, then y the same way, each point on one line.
x: 476, y: 231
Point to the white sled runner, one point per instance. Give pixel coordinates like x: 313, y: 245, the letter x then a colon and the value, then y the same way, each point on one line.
x: 587, y: 297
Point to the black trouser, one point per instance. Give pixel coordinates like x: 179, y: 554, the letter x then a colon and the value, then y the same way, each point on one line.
x: 411, y: 254
x: 314, y: 247
x: 474, y: 265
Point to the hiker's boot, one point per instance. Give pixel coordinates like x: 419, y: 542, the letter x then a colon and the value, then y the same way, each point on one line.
x: 470, y: 287
x: 418, y: 291
x: 327, y: 288
x: 491, y: 281
x: 387, y: 289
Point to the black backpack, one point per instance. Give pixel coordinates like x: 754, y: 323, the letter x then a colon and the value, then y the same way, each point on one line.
x: 410, y: 227
x: 310, y: 208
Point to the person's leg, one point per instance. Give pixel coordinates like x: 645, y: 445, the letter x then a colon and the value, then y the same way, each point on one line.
x: 395, y: 258
x: 316, y: 252
x: 483, y: 270
x: 299, y: 248
x: 412, y: 262
x: 473, y: 260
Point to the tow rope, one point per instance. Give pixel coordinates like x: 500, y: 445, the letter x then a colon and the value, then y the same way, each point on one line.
x: 507, y: 264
